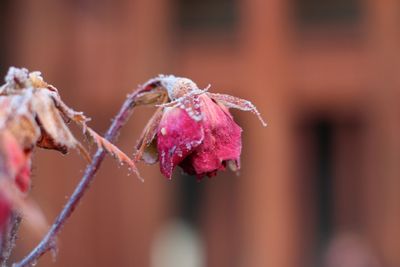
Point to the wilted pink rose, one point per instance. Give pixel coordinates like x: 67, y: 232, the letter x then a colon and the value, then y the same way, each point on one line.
x: 17, y: 162
x: 193, y: 130
x: 15, y: 169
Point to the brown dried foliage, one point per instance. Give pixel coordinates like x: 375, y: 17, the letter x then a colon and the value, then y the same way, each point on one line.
x: 32, y: 110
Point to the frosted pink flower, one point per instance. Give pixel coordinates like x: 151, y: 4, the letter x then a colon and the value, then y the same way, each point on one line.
x: 14, y: 173
x: 32, y: 114
x: 192, y: 128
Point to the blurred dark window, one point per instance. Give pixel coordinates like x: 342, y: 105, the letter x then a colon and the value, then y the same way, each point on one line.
x: 323, y: 134
x: 5, y: 30
x: 189, y: 198
x: 329, y: 158
x: 327, y: 12
x: 207, y: 15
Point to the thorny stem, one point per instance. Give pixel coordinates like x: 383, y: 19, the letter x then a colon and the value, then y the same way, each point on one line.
x: 48, y: 242
x: 9, y: 237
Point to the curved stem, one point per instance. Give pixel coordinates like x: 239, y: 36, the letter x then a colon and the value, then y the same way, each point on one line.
x: 8, y: 238
x: 48, y: 242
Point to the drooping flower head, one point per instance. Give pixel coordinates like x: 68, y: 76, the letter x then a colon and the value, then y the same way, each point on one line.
x: 192, y: 128
x: 14, y: 175
x: 32, y: 114
x: 32, y: 110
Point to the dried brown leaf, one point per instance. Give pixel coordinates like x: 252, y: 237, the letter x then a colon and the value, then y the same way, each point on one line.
x: 24, y: 129
x: 77, y: 117
x: 51, y: 120
x: 237, y: 103
x: 113, y: 150
x: 153, y: 97
x: 47, y: 142
x: 146, y: 139
x: 34, y: 112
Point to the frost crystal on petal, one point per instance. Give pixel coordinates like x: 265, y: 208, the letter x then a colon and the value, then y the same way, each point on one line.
x: 238, y: 103
x: 177, y: 136
x: 17, y: 76
x: 186, y: 113
x: 33, y: 112
x: 222, y: 141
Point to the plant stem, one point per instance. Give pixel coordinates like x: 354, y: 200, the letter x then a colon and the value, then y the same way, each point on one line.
x: 8, y: 238
x: 48, y: 242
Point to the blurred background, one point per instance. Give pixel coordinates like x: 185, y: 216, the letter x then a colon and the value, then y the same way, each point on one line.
x: 320, y: 186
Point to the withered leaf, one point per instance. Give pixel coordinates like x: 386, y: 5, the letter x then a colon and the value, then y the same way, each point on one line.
x: 113, y: 150
x: 32, y: 110
x: 47, y: 142
x: 51, y: 120
x: 146, y: 150
x: 153, y: 97
x: 24, y: 129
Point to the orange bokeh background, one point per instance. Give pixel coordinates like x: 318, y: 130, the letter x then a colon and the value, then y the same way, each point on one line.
x: 320, y: 186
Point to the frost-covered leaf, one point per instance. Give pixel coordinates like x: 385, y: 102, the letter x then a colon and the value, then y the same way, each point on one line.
x: 113, y: 150
x: 237, y: 103
x: 25, y: 130
x: 153, y: 97
x: 69, y: 113
x: 145, y: 150
x: 193, y: 128
x: 50, y: 120
x: 33, y: 111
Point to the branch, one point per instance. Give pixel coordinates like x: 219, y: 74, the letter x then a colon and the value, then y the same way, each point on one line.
x: 48, y: 242
x: 9, y: 237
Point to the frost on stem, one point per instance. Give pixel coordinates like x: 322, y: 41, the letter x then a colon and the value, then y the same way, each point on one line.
x: 32, y: 114
x: 32, y: 110
x: 192, y: 128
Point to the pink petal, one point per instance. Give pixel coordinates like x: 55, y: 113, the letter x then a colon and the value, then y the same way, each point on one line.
x: 23, y: 177
x: 18, y: 162
x: 5, y: 212
x: 222, y: 141
x: 177, y: 136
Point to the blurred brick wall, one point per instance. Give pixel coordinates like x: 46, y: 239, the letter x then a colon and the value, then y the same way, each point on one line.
x: 95, y: 52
